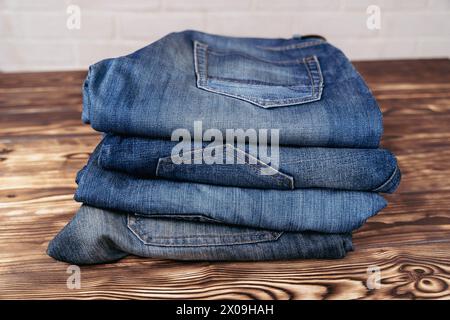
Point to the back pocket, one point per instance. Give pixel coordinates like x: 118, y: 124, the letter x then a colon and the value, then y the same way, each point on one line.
x: 245, y: 170
x: 264, y: 82
x: 193, y: 231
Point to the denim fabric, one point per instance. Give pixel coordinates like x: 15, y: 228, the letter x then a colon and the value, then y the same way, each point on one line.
x: 346, y: 169
x: 137, y: 201
x: 321, y: 210
x: 305, y: 87
x: 99, y: 236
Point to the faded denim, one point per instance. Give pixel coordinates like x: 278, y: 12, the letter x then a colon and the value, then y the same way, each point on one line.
x: 98, y: 236
x: 137, y: 201
x: 321, y: 210
x: 307, y: 88
x: 335, y: 168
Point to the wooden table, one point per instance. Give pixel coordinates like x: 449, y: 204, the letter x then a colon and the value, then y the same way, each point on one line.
x: 43, y: 144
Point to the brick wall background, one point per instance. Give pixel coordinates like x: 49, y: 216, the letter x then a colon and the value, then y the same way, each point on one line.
x: 34, y: 35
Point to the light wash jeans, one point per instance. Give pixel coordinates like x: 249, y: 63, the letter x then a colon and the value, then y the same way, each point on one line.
x: 298, y: 168
x: 98, y: 236
x: 136, y: 201
x: 321, y: 210
x: 306, y: 88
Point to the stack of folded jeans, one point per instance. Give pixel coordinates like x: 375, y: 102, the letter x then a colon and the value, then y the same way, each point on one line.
x: 222, y: 148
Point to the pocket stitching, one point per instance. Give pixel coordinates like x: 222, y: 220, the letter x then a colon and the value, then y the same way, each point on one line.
x: 200, y: 54
x: 279, y: 177
x: 389, y: 180
x: 264, y: 236
x: 294, y: 46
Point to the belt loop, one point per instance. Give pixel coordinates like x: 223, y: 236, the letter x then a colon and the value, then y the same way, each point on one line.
x: 310, y: 36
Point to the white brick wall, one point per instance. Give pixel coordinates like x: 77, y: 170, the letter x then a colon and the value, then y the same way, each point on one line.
x: 34, y: 36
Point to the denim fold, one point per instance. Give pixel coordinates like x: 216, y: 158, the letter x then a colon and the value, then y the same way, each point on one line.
x: 321, y: 210
x: 307, y: 89
x: 99, y: 236
x: 320, y: 180
x: 298, y: 168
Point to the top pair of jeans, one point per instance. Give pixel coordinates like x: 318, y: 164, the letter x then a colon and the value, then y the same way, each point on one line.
x: 306, y: 88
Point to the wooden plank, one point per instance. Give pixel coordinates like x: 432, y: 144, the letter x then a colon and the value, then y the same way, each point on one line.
x: 407, y: 272
x: 427, y: 71
x: 43, y: 145
x: 415, y: 213
x: 34, y: 80
x: 55, y: 162
x: 39, y: 105
x: 409, y: 218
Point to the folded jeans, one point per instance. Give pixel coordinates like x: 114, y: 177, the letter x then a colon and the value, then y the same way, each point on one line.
x: 295, y: 168
x: 306, y: 88
x: 98, y: 236
x: 321, y: 210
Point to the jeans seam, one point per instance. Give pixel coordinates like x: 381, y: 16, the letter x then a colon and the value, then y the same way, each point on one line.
x: 264, y: 236
x: 388, y: 180
x: 279, y: 177
x: 201, y: 67
x: 294, y: 46
x: 284, y: 62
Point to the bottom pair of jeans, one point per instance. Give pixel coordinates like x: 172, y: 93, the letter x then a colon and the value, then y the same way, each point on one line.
x: 98, y: 236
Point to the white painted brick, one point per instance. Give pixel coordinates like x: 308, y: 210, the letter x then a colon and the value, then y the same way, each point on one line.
x: 5, y: 25
x: 302, y: 5
x: 151, y: 27
x: 53, y: 25
x: 434, y: 48
x: 31, y: 5
x: 357, y: 49
x: 406, y: 5
x: 33, y: 33
x: 361, y: 5
x: 443, y: 5
x: 27, y: 55
x: 250, y: 24
x: 370, y: 49
x: 92, y: 52
x: 118, y: 5
x: 95, y: 26
x: 415, y: 25
x: 334, y: 24
x: 398, y: 48
x: 388, y: 5
x: 207, y: 5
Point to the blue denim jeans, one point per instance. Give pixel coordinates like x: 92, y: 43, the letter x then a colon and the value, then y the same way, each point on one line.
x: 321, y: 210
x: 306, y: 88
x: 335, y: 168
x: 137, y: 201
x: 98, y: 236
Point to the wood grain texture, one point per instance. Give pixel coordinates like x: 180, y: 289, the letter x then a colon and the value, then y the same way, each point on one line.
x: 43, y: 144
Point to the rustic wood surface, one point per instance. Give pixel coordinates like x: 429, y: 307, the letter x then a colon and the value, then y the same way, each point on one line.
x: 43, y: 144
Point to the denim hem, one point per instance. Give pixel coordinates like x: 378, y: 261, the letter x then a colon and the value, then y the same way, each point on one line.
x: 391, y: 184
x: 85, y: 113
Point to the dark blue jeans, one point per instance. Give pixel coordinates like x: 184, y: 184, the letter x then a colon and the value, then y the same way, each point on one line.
x: 298, y: 168
x: 321, y: 210
x: 306, y: 88
x: 138, y: 201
